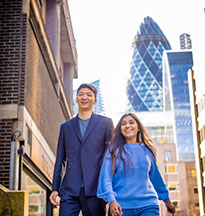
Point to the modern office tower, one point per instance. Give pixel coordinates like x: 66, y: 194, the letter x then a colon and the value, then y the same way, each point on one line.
x: 177, y: 100
x: 185, y: 41
x: 99, y: 106
x: 198, y: 119
x: 144, y: 88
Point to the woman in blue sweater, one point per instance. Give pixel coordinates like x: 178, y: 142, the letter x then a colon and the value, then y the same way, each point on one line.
x: 129, y: 179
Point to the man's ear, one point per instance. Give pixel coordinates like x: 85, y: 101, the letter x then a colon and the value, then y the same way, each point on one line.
x: 95, y: 101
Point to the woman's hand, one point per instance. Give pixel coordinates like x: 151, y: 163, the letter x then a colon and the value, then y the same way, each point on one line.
x: 115, y: 208
x: 170, y: 207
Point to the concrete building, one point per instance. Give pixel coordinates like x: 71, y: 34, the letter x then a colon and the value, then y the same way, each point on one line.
x: 179, y: 176
x: 197, y: 91
x: 185, y: 41
x: 198, y: 114
x: 38, y: 61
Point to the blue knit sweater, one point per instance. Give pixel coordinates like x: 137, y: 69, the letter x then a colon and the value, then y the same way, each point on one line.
x: 139, y: 186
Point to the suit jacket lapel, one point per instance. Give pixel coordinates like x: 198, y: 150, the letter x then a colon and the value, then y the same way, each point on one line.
x: 76, y: 127
x: 91, y: 125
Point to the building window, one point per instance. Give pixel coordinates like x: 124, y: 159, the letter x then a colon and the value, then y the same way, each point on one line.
x: 29, y: 137
x: 173, y: 186
x: 37, y: 194
x: 29, y: 141
x: 203, y: 163
x: 193, y: 173
x: 202, y: 134
x: 196, y: 206
x: 171, y: 169
x: 162, y: 135
x: 176, y: 204
x: 33, y: 209
x: 168, y: 156
x: 196, y: 190
x: 201, y: 104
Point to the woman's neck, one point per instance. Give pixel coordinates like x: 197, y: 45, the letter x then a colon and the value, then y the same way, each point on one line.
x: 131, y: 141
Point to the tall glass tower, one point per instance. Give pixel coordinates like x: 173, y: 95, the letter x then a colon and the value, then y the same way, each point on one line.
x: 177, y: 99
x: 144, y: 88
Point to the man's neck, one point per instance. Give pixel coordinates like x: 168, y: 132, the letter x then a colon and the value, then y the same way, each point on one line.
x: 85, y: 114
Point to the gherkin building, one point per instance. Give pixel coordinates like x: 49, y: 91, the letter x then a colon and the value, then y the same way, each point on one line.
x: 144, y: 88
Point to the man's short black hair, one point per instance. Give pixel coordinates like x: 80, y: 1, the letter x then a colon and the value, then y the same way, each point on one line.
x: 89, y: 86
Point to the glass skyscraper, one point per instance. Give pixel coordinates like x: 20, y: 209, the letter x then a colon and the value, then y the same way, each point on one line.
x: 98, y: 107
x: 177, y: 99
x: 144, y: 88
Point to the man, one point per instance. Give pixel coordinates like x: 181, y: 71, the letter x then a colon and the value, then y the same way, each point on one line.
x: 81, y: 146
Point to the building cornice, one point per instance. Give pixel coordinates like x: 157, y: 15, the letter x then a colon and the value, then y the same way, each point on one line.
x: 70, y: 35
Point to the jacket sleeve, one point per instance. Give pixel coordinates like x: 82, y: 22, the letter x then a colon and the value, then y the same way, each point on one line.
x: 157, y: 181
x: 105, y: 189
x: 60, y: 158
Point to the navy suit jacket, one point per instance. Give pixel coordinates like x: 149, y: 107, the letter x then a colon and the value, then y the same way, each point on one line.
x: 81, y: 157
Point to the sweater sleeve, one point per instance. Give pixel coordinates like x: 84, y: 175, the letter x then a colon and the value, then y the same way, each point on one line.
x: 158, y: 182
x: 105, y: 189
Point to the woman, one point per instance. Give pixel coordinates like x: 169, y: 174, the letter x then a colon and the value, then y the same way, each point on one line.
x: 129, y: 179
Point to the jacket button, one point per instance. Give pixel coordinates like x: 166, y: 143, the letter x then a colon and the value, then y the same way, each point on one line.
x: 69, y: 166
x: 71, y: 155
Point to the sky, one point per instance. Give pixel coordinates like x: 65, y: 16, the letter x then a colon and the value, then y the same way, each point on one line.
x: 104, y: 31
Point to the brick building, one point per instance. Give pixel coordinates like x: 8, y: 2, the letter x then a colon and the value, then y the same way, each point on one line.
x: 179, y: 176
x: 38, y: 61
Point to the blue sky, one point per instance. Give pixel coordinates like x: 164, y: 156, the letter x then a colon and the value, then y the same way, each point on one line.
x: 104, y: 31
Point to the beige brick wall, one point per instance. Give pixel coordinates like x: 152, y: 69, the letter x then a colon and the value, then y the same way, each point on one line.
x: 40, y: 97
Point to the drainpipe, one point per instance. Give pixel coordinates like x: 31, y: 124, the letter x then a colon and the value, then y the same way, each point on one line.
x: 20, y: 153
x: 16, y: 134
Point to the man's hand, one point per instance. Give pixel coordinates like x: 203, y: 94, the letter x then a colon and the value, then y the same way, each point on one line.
x: 53, y: 197
x: 115, y: 209
x: 170, y: 207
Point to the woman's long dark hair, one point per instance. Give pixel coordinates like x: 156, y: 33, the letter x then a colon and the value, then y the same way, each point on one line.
x: 116, y: 147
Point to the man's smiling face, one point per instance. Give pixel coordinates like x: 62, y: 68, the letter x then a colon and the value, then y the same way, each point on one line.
x: 85, y: 99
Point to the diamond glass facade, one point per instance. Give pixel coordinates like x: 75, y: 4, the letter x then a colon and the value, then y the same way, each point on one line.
x: 176, y: 66
x: 144, y: 88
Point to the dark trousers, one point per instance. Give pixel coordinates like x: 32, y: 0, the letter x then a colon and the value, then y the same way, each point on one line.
x: 90, y: 205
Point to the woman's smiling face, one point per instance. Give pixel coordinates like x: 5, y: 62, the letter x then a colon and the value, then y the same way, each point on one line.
x: 129, y: 129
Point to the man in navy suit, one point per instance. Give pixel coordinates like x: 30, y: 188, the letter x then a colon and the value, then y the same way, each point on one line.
x: 81, y: 147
